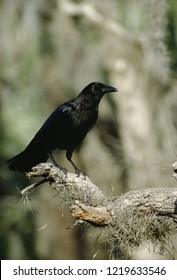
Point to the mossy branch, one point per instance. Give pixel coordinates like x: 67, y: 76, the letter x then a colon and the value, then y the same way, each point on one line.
x: 131, y: 218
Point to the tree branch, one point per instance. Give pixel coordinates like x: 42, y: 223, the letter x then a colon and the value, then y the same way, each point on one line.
x: 131, y: 218
x: 91, y: 14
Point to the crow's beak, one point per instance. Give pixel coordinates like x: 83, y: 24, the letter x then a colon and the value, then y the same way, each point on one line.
x: 107, y: 89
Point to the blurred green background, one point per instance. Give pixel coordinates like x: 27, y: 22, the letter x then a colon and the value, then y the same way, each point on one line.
x: 49, y: 51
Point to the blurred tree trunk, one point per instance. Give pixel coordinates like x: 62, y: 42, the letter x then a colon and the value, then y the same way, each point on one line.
x: 145, y: 104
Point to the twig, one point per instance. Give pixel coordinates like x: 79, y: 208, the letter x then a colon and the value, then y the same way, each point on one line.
x: 26, y: 191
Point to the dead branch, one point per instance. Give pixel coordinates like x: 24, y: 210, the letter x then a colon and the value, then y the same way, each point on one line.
x: 131, y: 218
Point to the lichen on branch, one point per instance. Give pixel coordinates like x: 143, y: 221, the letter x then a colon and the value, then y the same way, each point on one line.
x: 131, y: 218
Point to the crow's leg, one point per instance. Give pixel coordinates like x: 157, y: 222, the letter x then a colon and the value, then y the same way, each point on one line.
x: 69, y: 156
x: 56, y: 164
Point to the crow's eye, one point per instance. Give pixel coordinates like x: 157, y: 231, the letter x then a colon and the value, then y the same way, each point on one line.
x: 97, y: 87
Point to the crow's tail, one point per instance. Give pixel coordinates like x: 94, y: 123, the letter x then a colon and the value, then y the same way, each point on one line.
x: 24, y: 161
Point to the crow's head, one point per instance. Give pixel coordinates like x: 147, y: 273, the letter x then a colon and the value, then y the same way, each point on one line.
x: 96, y: 90
x: 99, y: 88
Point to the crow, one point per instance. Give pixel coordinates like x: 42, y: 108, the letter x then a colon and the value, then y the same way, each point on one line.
x: 65, y: 129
